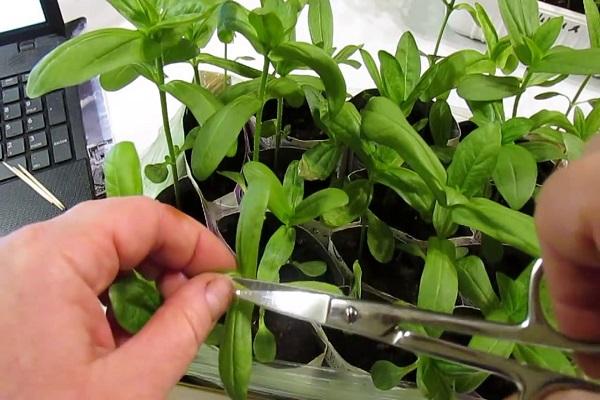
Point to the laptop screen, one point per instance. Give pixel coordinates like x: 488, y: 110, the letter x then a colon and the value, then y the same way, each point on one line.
x: 17, y: 14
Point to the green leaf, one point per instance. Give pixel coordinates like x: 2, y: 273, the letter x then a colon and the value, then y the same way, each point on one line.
x: 441, y: 122
x: 320, y: 62
x: 387, y: 375
x: 480, y: 87
x: 544, y: 151
x: 384, y: 123
x: 278, y: 251
x: 551, y: 118
x: 235, y: 354
x: 356, y: 292
x: 221, y: 130
x: 249, y: 229
x: 593, y: 22
x: 234, y: 18
x: 318, y: 204
x: 312, y: 269
x: 392, y: 77
x: 359, y: 195
x: 372, y: 69
x: 287, y: 88
x: 546, y: 35
x: 410, y: 187
x: 122, y: 171
x: 117, y: 79
x: 521, y: 17
x: 156, y: 173
x: 432, y: 382
x: 201, y: 102
x: 268, y: 27
x: 592, y: 124
x: 265, y: 346
x: 574, y: 146
x: 442, y: 221
x: 546, y: 358
x: 134, y: 300
x: 320, y: 23
x: 380, y: 239
x: 515, y: 129
x: 438, y: 289
x: 236, y: 177
x: 515, y: 175
x: 407, y: 54
x: 501, y: 223
x: 451, y: 70
x: 215, y: 337
x: 564, y: 60
x: 316, y: 286
x: 141, y: 13
x: 86, y: 56
x: 579, y: 121
x: 487, y: 26
x: 229, y: 65
x: 514, y: 297
x: 475, y: 285
x: 318, y: 163
x: 475, y: 159
x: 344, y: 54
x: 279, y: 201
x: 293, y: 184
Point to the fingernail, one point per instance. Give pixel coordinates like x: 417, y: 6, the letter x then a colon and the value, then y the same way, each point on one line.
x: 218, y: 295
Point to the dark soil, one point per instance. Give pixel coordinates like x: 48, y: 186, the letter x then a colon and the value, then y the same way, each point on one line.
x: 217, y: 186
x: 296, y: 340
x: 286, y: 156
x: 300, y: 119
x: 191, y: 204
x: 399, y: 278
x: 574, y: 5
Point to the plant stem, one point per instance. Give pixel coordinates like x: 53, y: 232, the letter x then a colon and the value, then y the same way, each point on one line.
x: 363, y: 236
x: 196, y: 74
x: 518, y: 98
x: 578, y: 94
x: 167, y: 129
x: 225, y: 70
x: 278, y: 131
x: 261, y: 97
x: 438, y: 43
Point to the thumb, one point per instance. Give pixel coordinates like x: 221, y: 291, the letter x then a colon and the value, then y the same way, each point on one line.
x: 161, y: 352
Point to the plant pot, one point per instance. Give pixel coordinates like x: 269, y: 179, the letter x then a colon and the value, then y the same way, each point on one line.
x: 304, y: 133
x: 190, y: 199
x: 296, y: 340
x: 573, y: 34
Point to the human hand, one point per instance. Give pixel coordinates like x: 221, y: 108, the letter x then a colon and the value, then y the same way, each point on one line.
x: 568, y: 222
x: 56, y: 341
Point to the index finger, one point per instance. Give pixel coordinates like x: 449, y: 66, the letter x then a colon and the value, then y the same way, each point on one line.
x: 568, y: 222
x: 97, y: 239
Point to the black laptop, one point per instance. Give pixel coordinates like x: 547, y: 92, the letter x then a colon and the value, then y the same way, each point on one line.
x: 45, y: 134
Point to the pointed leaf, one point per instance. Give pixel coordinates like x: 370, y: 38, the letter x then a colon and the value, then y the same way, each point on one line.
x: 359, y: 193
x: 593, y: 22
x: 356, y: 292
x: 392, y: 77
x: 387, y: 375
x: 515, y: 175
x: 410, y: 187
x: 474, y: 284
x: 441, y: 122
x: 318, y: 204
x: 501, y: 223
x: 264, y: 345
x: 86, y: 56
x: 293, y: 184
x: 221, y: 130
x: 488, y: 88
x: 319, y: 162
x: 564, y: 60
x: 320, y: 62
x: 312, y: 269
x: 277, y: 253
x: 122, y: 171
x: 278, y: 200
x: 372, y: 69
x: 384, y: 123
x: 407, y: 54
x: 475, y: 159
x: 320, y: 23
x: 380, y: 239
x: 201, y: 102
x: 515, y: 129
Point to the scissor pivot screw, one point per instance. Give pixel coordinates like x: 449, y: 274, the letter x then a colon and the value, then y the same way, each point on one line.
x: 351, y: 314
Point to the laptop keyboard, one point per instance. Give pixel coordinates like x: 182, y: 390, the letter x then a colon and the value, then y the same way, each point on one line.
x: 33, y: 132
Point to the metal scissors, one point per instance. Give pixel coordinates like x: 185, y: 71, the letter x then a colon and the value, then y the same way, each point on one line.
x: 381, y: 322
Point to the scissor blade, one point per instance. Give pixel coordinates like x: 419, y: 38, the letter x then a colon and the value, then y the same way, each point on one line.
x: 296, y: 303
